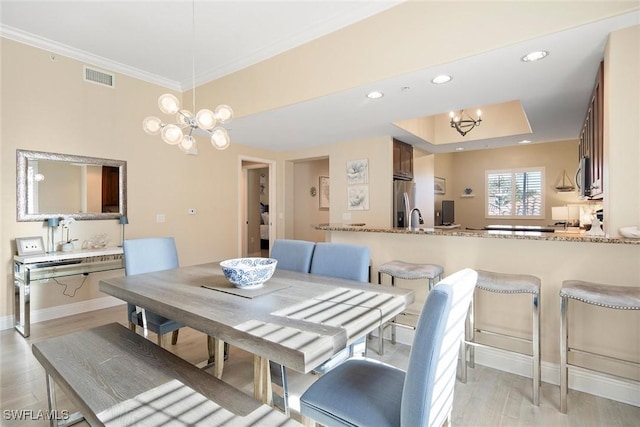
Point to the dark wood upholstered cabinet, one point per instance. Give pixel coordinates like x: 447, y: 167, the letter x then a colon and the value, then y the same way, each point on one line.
x: 591, y: 143
x: 402, y: 160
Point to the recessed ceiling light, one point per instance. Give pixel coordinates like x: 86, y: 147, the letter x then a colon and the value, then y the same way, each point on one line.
x: 375, y: 94
x: 459, y: 148
x: 534, y: 56
x: 442, y: 78
x: 524, y: 141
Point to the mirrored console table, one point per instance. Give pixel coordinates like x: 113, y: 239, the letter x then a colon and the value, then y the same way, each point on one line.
x: 28, y: 268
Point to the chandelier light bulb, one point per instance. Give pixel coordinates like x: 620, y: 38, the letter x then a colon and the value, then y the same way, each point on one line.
x: 152, y: 125
x: 220, y: 138
x: 168, y: 104
x: 184, y: 117
x: 479, y: 113
x: 187, y: 143
x: 223, y: 113
x: 172, y: 134
x: 206, y: 119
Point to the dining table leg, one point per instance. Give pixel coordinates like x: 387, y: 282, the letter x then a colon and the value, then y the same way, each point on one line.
x: 262, y: 380
x: 218, y: 354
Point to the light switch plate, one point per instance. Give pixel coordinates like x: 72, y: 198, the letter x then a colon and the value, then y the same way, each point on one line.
x: 30, y: 245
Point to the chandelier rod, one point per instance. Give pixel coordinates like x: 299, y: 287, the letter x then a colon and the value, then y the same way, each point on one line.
x: 193, y: 55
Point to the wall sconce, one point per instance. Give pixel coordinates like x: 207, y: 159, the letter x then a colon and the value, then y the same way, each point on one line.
x: 52, y: 223
x: 123, y: 221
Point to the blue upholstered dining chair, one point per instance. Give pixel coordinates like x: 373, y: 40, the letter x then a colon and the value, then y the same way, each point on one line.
x: 364, y: 392
x: 145, y: 256
x: 293, y: 255
x: 343, y: 260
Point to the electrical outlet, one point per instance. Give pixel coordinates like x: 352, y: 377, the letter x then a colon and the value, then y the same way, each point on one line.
x: 160, y: 218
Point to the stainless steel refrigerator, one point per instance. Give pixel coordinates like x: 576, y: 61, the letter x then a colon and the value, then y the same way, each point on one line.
x: 404, y: 199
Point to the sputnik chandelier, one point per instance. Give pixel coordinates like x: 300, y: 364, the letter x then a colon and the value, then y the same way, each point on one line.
x: 464, y: 125
x: 181, y: 132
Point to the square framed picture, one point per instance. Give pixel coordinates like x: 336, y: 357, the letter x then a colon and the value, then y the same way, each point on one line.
x: 30, y: 245
x: 358, y: 171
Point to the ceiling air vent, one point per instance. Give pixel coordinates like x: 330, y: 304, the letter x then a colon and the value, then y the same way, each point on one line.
x: 102, y: 78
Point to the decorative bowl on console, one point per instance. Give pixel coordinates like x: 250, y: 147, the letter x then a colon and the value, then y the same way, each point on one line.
x: 248, y: 273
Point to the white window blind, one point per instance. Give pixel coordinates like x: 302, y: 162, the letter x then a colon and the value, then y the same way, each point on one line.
x: 515, y: 193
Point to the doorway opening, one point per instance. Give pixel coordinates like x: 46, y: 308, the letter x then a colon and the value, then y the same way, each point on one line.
x: 257, y: 207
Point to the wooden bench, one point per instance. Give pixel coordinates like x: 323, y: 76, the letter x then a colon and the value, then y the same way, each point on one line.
x: 115, y: 377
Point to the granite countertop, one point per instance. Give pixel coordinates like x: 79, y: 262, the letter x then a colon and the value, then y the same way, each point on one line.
x: 493, y: 234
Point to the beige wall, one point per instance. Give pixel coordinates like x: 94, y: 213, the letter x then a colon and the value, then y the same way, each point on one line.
x: 306, y: 207
x: 378, y: 151
x: 622, y: 130
x: 467, y: 169
x: 85, y: 119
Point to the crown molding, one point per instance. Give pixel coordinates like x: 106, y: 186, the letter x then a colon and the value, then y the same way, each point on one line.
x: 86, y: 57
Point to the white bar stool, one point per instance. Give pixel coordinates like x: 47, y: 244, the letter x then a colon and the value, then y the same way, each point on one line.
x: 506, y: 284
x: 607, y: 296
x: 408, y: 271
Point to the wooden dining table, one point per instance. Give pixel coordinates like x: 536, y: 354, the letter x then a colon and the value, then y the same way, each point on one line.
x: 296, y: 319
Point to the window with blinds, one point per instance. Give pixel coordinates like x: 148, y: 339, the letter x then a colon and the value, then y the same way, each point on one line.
x: 516, y: 193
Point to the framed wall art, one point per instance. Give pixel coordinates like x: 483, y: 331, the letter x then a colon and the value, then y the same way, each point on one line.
x: 323, y: 186
x: 358, y: 171
x: 439, y: 185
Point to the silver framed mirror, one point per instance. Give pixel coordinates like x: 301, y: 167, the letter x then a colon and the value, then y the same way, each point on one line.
x: 53, y: 185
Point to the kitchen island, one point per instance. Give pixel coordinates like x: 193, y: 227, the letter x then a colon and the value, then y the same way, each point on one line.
x: 553, y: 257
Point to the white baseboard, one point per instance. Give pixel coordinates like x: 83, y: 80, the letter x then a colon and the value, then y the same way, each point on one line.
x: 6, y: 322
x: 598, y: 384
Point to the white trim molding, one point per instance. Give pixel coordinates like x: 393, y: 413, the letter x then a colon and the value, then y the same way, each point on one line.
x: 56, y: 312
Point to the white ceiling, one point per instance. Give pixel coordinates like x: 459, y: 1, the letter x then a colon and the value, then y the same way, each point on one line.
x: 131, y: 37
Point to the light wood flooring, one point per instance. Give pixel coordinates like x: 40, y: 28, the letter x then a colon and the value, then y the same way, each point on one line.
x: 490, y: 397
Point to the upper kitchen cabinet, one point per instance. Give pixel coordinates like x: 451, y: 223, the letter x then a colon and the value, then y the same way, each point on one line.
x: 402, y: 160
x: 592, y: 137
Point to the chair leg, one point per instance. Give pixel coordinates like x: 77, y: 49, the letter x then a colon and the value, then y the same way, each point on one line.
x: 536, y: 350
x: 308, y: 422
x: 285, y: 389
x: 564, y: 344
x: 132, y: 326
x: 472, y: 334
x: 161, y: 340
x: 174, y: 337
x: 211, y: 341
x: 210, y: 349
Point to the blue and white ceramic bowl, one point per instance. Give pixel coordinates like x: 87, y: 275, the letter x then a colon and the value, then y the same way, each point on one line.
x: 248, y: 273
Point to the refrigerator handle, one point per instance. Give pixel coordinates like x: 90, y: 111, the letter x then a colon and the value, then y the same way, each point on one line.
x: 407, y: 208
